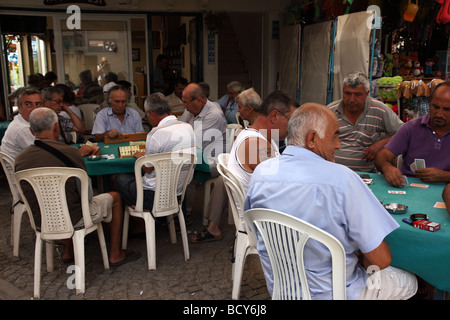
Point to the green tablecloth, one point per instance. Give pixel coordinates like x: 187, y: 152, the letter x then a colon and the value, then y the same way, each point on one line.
x: 126, y: 165
x: 424, y: 253
x: 3, y: 126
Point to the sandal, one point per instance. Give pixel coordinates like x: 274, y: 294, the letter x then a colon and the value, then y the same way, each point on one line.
x: 205, y: 236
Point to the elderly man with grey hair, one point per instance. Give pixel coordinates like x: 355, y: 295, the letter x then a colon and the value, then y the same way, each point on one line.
x: 47, y: 151
x: 305, y: 183
x: 228, y: 103
x: 365, y: 124
x: 168, y: 135
x: 249, y: 103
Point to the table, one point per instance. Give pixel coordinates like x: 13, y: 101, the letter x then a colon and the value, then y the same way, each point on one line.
x: 3, y: 126
x: 126, y: 165
x: 424, y: 253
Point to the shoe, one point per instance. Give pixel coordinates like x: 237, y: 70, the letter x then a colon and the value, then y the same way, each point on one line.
x: 205, y: 236
x: 129, y: 257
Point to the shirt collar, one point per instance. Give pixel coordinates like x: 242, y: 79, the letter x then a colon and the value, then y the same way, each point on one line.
x: 166, y: 120
x: 301, y: 152
x: 426, y: 120
x: 110, y: 112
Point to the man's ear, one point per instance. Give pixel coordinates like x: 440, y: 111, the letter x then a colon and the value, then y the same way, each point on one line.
x: 31, y: 130
x: 310, y: 140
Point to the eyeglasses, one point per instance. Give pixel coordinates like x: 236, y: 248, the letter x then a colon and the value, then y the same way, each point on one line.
x: 282, y: 113
x: 58, y: 101
x: 29, y: 104
x: 188, y: 103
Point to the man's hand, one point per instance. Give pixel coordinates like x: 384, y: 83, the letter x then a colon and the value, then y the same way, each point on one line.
x: 137, y: 155
x: 86, y: 150
x: 432, y: 175
x: 393, y: 176
x: 371, y: 152
x: 113, y: 134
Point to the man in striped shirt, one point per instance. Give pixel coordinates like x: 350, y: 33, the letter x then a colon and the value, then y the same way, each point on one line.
x: 365, y: 124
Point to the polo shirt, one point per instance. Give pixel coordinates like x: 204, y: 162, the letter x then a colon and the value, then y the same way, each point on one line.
x: 417, y: 140
x: 333, y: 198
x: 170, y: 135
x: 376, y: 118
x: 106, y: 120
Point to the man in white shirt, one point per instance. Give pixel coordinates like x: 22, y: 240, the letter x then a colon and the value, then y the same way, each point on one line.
x: 176, y: 104
x: 18, y: 135
x: 168, y: 135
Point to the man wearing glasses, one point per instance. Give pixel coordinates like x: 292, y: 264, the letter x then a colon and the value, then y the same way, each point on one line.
x: 210, y: 127
x: 53, y: 99
x: 18, y: 135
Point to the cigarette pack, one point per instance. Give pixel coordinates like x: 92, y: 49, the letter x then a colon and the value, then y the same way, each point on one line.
x: 427, y: 225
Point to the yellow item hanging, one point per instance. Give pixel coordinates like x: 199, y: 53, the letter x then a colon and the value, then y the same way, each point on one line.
x: 411, y: 11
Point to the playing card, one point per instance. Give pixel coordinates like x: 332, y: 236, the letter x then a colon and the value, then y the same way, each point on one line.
x: 420, y: 163
x: 405, y: 180
x: 396, y: 192
x: 419, y: 185
x: 440, y: 205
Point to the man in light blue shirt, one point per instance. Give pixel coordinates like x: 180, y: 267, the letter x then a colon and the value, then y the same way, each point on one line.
x: 306, y: 183
x: 117, y: 118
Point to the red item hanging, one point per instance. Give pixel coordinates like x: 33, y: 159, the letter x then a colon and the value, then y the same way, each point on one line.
x: 443, y: 15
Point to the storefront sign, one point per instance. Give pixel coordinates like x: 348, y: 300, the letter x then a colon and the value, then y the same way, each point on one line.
x: 100, y: 3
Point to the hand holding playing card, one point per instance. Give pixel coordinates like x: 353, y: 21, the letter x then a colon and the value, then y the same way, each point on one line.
x: 431, y: 174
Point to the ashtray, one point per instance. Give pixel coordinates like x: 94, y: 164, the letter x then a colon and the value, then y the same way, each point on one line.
x: 94, y: 158
x: 396, y: 208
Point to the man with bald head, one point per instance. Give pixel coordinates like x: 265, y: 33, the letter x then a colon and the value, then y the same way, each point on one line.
x: 210, y: 127
x: 306, y: 183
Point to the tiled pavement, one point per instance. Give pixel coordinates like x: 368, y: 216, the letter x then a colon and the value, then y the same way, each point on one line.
x: 206, y: 276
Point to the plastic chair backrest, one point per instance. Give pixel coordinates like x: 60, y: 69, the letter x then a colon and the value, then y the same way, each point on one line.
x: 167, y: 168
x: 285, y: 237
x: 49, y: 186
x: 236, y: 193
x: 88, y: 114
x: 8, y: 165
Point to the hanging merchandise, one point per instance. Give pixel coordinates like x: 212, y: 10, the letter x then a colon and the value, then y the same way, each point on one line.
x: 411, y: 11
x: 444, y: 13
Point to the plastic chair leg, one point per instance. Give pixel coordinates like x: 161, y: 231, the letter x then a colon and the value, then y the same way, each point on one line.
x: 16, y: 221
x: 101, y: 239
x: 37, y: 267
x: 239, y: 263
x: 184, y: 235
x: 151, y: 241
x: 78, y: 248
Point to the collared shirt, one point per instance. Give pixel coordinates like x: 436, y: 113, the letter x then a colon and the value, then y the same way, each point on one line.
x: 17, y: 137
x: 333, y: 198
x: 170, y: 135
x: 106, y: 120
x: 417, y: 140
x: 230, y: 108
x: 376, y: 118
x: 210, y: 130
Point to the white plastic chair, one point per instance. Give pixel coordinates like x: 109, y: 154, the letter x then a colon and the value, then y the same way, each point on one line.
x: 245, y: 243
x: 285, y: 237
x: 18, y: 207
x: 48, y: 184
x: 88, y: 114
x: 167, y: 168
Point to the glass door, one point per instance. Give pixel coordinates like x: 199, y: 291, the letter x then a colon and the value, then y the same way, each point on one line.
x: 101, y: 45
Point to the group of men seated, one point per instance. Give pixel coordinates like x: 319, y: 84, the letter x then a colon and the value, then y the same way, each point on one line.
x: 312, y: 179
